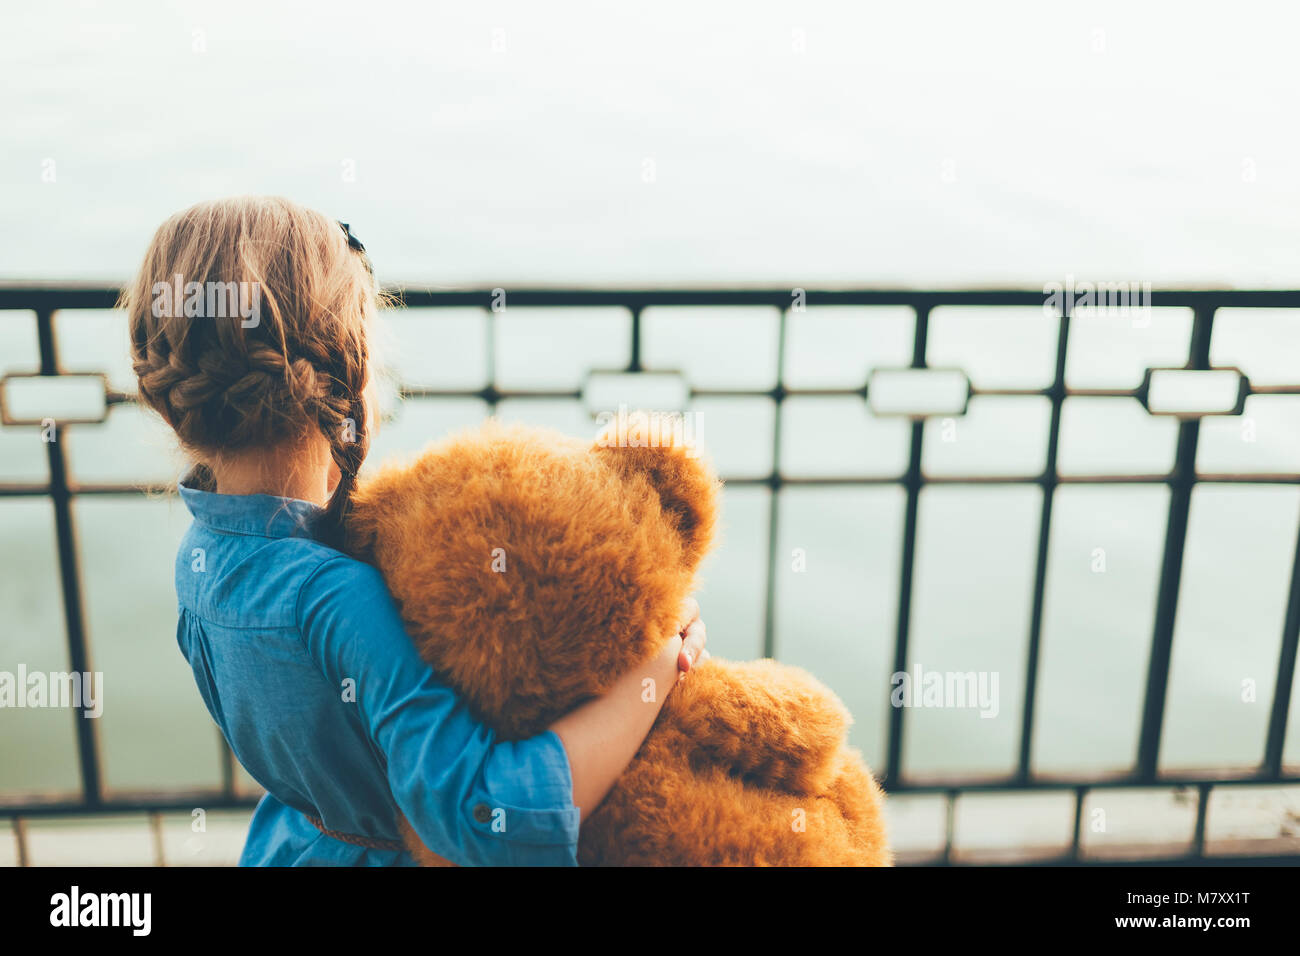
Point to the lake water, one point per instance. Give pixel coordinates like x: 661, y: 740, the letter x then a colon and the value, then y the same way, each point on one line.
x: 772, y: 144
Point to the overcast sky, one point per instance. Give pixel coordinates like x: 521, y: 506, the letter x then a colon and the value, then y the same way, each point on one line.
x: 797, y: 143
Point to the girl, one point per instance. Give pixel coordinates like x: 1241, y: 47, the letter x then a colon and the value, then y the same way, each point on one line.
x: 298, y: 650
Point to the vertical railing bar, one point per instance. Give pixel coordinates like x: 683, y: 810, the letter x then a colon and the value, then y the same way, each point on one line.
x: 20, y: 837
x: 774, y: 491
x: 950, y: 825
x: 1286, y: 664
x: 1202, y: 806
x: 49, y: 352
x: 1080, y: 793
x: 912, y: 483
x: 227, y: 767
x: 65, y: 534
x: 1180, y: 495
x: 921, y: 334
x: 1049, y: 481
x: 155, y: 829
x: 634, y: 360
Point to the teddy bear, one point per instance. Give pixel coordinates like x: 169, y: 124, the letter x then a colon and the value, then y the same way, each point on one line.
x: 533, y: 569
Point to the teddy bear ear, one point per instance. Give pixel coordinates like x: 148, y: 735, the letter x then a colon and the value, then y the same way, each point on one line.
x: 661, y: 449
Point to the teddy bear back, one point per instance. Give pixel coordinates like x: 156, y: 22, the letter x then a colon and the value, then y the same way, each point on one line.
x: 533, y: 569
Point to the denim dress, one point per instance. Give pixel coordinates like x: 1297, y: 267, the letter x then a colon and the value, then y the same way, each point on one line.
x: 303, y: 662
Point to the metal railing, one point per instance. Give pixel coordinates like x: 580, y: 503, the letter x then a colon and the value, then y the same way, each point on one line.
x: 46, y: 300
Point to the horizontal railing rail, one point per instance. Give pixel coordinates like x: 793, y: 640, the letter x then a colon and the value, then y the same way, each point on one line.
x: 46, y: 300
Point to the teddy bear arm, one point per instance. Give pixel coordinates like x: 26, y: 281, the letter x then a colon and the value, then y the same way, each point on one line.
x: 767, y: 723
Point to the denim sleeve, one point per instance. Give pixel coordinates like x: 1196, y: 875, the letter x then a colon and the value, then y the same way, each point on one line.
x: 472, y: 799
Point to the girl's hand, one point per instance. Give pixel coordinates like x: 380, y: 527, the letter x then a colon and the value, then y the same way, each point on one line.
x: 601, y: 736
x: 693, y: 638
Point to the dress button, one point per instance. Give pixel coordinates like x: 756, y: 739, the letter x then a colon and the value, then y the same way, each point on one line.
x: 482, y: 812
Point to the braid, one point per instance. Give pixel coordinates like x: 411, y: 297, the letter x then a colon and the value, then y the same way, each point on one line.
x: 230, y: 400
x: 349, y: 443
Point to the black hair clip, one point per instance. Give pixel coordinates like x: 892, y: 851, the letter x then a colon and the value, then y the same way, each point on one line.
x: 355, y: 244
x: 353, y: 241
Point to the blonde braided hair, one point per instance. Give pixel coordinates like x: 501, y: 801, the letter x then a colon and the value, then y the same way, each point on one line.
x: 226, y: 383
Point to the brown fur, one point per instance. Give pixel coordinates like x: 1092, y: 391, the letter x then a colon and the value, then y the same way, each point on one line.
x: 601, y: 544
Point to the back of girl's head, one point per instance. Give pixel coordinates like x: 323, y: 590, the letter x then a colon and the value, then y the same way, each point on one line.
x: 270, y: 347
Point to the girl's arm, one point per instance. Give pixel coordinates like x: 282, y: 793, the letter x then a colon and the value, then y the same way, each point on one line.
x: 603, y: 735
x: 471, y: 798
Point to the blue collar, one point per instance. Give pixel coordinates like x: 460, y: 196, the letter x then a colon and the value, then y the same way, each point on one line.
x: 266, y: 516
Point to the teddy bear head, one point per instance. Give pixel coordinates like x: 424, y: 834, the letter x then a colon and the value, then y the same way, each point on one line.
x: 533, y: 569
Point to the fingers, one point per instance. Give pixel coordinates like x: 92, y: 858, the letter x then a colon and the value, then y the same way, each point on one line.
x: 693, y: 640
x: 690, y: 613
